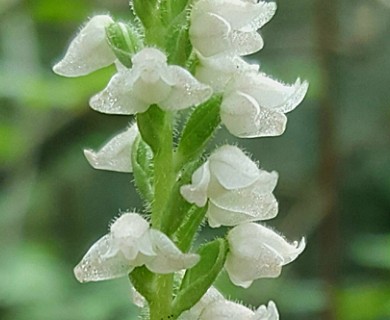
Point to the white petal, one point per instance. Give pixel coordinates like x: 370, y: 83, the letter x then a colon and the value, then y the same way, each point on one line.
x: 115, y: 155
x: 240, y: 206
x: 226, y: 310
x: 137, y: 298
x: 197, y: 191
x: 151, y: 90
x: 129, y: 224
x: 244, y: 118
x: 244, y: 43
x: 149, y: 56
x: 118, y: 97
x: 243, y: 14
x: 209, y: 34
x: 232, y: 168
x: 210, y: 296
x: 218, y: 71
x: 264, y: 14
x: 270, y: 93
x: 89, y: 51
x: 244, y: 269
x: 267, y: 313
x: 96, y: 265
x: 169, y: 258
x: 149, y: 83
x: 186, y: 90
x: 131, y: 235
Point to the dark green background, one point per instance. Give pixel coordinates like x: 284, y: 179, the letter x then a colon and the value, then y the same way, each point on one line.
x: 333, y: 162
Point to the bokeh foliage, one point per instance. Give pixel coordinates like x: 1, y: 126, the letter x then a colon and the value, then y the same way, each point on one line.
x: 53, y: 205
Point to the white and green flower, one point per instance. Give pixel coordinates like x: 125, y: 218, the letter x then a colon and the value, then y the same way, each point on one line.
x: 229, y: 26
x: 129, y: 244
x: 236, y: 190
x: 254, y: 105
x: 256, y: 251
x: 150, y: 81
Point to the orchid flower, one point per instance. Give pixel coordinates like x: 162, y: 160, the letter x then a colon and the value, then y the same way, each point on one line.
x: 237, y: 190
x: 254, y: 105
x: 258, y: 252
x: 129, y: 244
x: 150, y: 81
x: 228, y: 26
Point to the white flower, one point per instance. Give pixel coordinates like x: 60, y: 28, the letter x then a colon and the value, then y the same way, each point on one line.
x: 131, y: 243
x: 115, y: 155
x: 150, y: 81
x: 210, y: 296
x: 88, y: 51
x: 258, y: 252
x: 228, y: 26
x: 238, y: 191
x: 254, y: 105
x: 228, y: 310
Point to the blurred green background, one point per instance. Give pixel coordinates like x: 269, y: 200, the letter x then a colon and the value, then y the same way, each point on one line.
x: 333, y: 162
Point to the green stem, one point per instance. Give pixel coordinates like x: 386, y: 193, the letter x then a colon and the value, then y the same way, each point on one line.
x: 161, y: 306
x: 163, y: 172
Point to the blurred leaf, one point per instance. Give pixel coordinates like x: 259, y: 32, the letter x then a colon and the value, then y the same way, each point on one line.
x: 372, y: 251
x: 365, y: 302
x: 70, y: 10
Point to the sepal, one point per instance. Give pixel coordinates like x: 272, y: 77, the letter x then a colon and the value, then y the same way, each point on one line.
x: 145, y: 11
x: 115, y: 155
x: 88, y: 51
